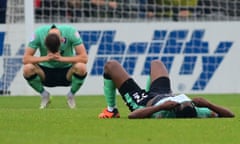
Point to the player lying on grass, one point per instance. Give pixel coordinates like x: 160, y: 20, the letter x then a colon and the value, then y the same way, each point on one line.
x: 155, y: 102
x: 62, y: 61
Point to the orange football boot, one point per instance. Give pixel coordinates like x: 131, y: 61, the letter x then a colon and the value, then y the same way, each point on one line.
x: 107, y: 114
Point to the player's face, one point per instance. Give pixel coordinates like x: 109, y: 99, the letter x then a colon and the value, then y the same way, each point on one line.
x: 184, y: 104
x: 57, y: 35
x: 185, y: 110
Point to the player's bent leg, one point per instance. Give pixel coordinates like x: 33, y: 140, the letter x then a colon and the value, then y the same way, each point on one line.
x: 33, y: 79
x: 78, y: 68
x: 117, y: 73
x: 77, y: 75
x: 107, y: 114
x: 33, y: 73
x: 158, y: 69
x: 29, y: 70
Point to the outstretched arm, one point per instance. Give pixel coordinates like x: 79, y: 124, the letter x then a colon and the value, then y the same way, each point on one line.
x: 148, y: 111
x: 219, y: 110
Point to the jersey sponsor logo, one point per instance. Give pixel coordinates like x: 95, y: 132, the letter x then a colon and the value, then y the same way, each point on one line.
x: 64, y: 40
x: 33, y: 38
x: 77, y: 35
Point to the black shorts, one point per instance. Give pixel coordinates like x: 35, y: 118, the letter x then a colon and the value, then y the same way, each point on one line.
x: 136, y: 97
x: 55, y: 76
x: 133, y: 95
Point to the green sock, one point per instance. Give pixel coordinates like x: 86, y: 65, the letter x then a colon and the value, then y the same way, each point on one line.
x: 77, y: 82
x: 36, y: 83
x: 110, y: 92
x: 148, y: 83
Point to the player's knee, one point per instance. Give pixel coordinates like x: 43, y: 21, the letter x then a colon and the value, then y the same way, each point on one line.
x: 28, y: 69
x: 156, y: 62
x: 80, y: 68
x: 111, y: 64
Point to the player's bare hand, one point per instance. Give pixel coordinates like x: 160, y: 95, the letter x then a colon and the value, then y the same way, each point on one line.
x: 200, y: 102
x: 54, y: 56
x: 57, y: 57
x: 50, y: 56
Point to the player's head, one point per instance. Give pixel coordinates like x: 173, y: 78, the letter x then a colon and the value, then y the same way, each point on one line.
x: 52, y: 42
x: 55, y: 30
x: 53, y: 39
x: 185, y: 110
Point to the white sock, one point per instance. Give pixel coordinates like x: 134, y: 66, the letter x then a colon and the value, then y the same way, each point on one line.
x: 111, y: 108
x: 70, y: 94
x: 45, y: 93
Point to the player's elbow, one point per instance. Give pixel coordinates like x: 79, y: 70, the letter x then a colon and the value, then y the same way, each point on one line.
x: 231, y: 115
x: 85, y: 59
x: 132, y: 116
x: 24, y: 61
x: 227, y: 115
x: 135, y: 116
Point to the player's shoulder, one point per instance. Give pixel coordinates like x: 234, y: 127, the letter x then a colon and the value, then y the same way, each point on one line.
x: 68, y: 27
x: 43, y: 28
x: 68, y: 31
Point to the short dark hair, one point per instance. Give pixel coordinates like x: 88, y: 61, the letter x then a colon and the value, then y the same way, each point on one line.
x: 53, y: 26
x: 52, y: 42
x: 186, y: 112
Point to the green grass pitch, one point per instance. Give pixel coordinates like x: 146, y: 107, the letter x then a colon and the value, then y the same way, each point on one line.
x: 22, y: 122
